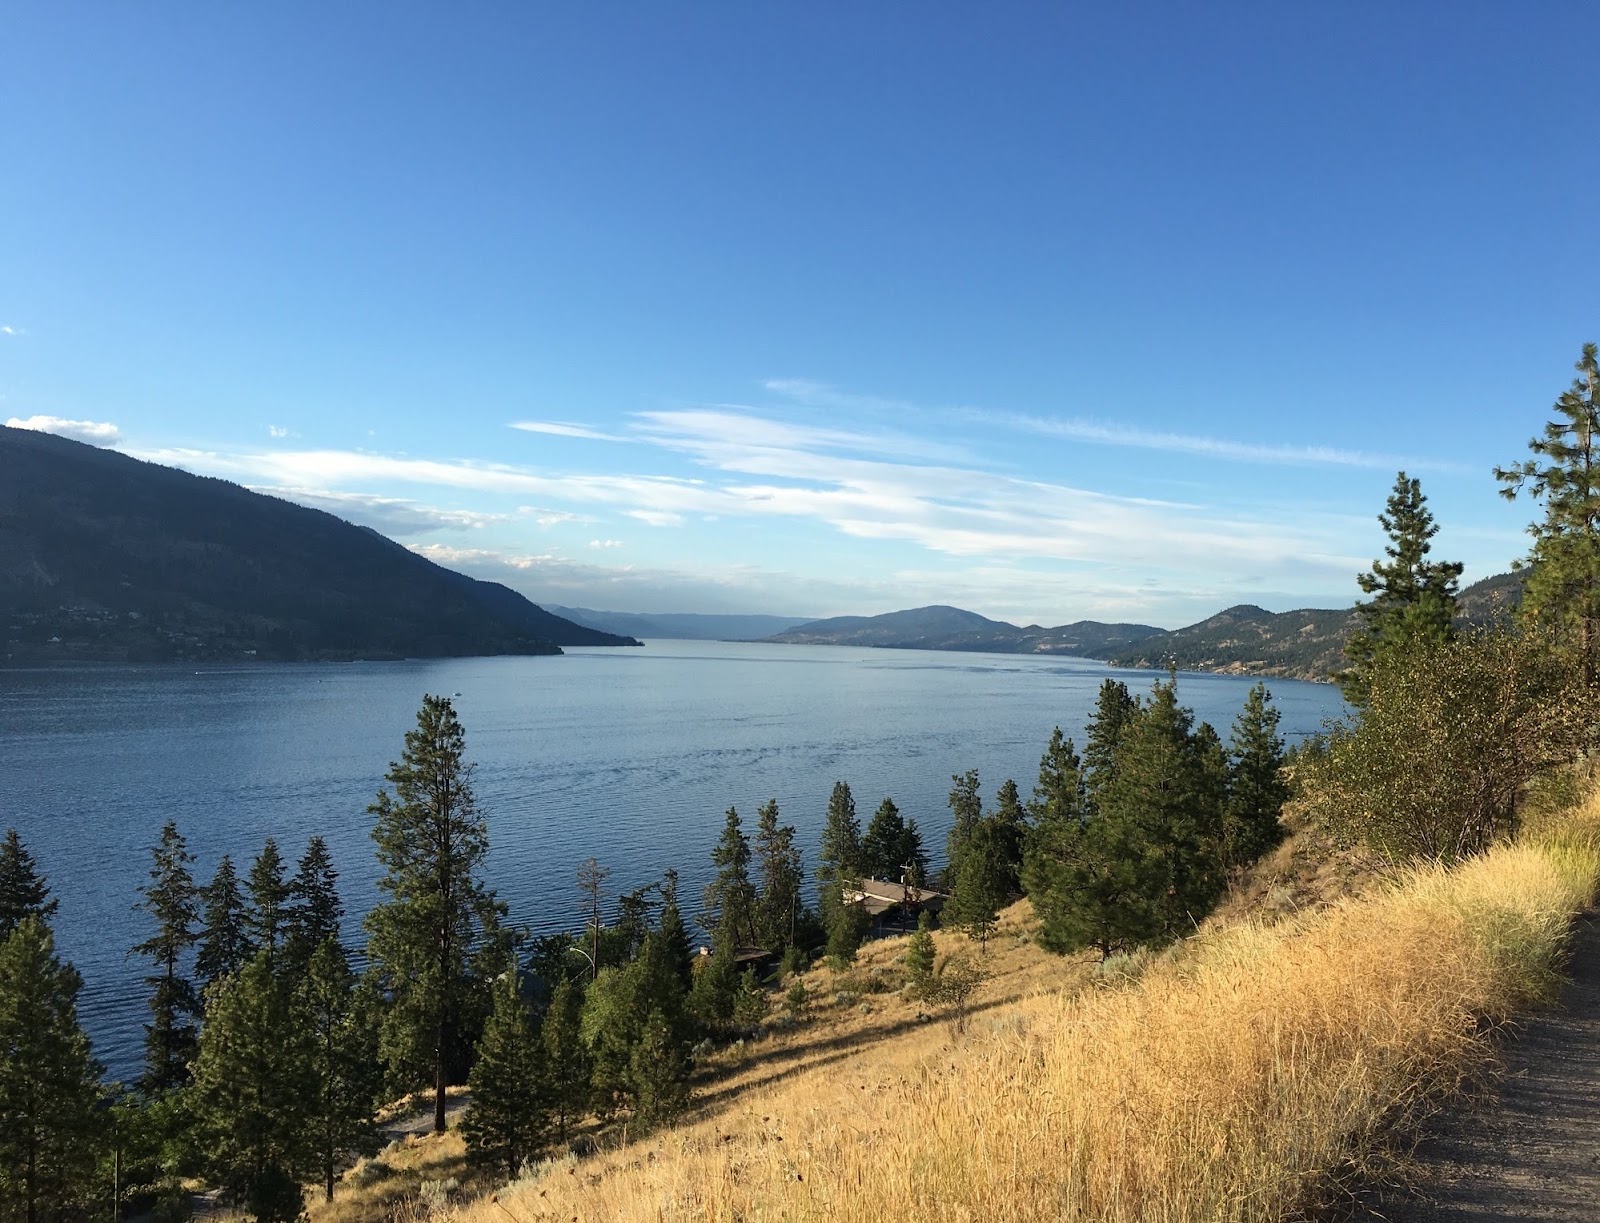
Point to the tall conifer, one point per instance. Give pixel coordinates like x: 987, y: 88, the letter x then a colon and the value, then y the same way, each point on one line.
x: 431, y: 842
x: 1413, y: 598
x: 1563, y: 585
x: 50, y: 1127
x: 268, y: 892
x: 509, y: 1115
x: 730, y: 900
x: 781, y: 871
x: 966, y: 809
x: 884, y: 846
x: 170, y: 899
x: 313, y: 912
x: 1114, y: 708
x: 224, y: 935
x: 565, y: 1058
x: 840, y: 858
x: 23, y: 891
x: 345, y: 1075
x: 1256, y: 786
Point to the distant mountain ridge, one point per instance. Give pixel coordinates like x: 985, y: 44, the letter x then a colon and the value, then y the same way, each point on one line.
x: 1307, y: 643
x: 950, y: 628
x: 104, y: 557
x: 681, y: 626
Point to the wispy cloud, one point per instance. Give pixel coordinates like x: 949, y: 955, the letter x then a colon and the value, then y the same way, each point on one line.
x: 393, y: 516
x: 1097, y: 432
x: 280, y: 431
x: 605, y: 543
x: 96, y: 432
x: 8, y: 329
x: 561, y: 428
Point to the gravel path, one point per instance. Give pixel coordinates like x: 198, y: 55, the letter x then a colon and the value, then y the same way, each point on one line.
x: 1531, y: 1150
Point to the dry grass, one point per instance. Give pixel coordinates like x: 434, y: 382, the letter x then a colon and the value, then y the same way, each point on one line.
x: 1234, y: 1080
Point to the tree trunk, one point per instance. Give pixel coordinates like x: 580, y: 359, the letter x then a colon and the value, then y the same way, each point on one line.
x: 439, y: 1085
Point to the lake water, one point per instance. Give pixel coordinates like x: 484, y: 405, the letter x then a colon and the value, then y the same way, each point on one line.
x: 629, y: 755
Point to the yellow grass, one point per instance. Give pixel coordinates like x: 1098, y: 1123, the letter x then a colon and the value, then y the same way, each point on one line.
x: 1230, y: 1081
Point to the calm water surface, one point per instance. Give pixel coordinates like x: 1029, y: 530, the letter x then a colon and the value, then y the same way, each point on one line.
x: 631, y: 756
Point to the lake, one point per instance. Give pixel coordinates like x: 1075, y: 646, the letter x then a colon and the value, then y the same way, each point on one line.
x: 629, y: 755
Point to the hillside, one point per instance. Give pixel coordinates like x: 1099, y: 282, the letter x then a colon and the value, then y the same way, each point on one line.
x: 680, y: 626
x: 951, y: 628
x: 106, y: 558
x: 1304, y: 644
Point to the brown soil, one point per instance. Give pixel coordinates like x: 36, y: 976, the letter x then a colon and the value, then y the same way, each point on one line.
x: 1529, y: 1146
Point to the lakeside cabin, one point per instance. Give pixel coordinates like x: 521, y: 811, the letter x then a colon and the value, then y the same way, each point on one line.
x: 894, y: 907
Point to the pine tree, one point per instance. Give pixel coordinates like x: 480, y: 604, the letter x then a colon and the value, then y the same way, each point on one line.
x: 314, y: 913
x: 884, y: 845
x: 1164, y: 796
x: 781, y: 872
x: 840, y: 859
x: 566, y: 1060
x: 509, y: 1115
x: 1114, y: 708
x: 250, y: 1098
x: 919, y: 957
x: 169, y: 898
x: 224, y: 940
x: 1256, y: 787
x: 1563, y: 585
x: 673, y: 934
x: 966, y: 809
x: 50, y: 1128
x: 1413, y: 598
x: 1059, y: 796
x: 730, y: 900
x: 750, y: 1003
x: 979, y: 889
x: 431, y: 842
x: 715, y: 988
x: 268, y: 892
x: 659, y: 1074
x: 344, y: 1068
x: 847, y: 930
x: 23, y: 892
x: 1010, y: 820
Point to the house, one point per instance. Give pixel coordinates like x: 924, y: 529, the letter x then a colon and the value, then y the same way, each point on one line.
x: 894, y: 905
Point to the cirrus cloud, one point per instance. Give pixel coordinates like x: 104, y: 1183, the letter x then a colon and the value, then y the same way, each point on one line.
x: 95, y: 432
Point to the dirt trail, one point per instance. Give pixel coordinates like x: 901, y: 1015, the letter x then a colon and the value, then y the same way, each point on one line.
x: 1531, y: 1149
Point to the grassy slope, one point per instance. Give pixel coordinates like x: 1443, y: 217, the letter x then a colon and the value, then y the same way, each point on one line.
x: 1236, y: 1077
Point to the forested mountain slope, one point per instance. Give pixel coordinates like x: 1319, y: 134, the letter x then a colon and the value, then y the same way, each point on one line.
x: 104, y: 557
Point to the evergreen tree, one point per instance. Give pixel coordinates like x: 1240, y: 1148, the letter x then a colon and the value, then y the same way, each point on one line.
x: 914, y: 856
x: 847, y: 930
x: 750, y: 1004
x: 884, y: 846
x: 1213, y: 775
x: 169, y: 898
x: 1059, y: 797
x: 509, y: 1115
x: 1163, y: 794
x: 344, y: 1068
x: 979, y: 889
x: 623, y: 940
x: 966, y: 810
x: 250, y: 1098
x: 268, y: 891
x: 314, y: 913
x: 730, y: 900
x: 565, y: 1058
x: 781, y: 872
x: 23, y: 892
x: 1114, y: 708
x: 659, y: 1073
x: 716, y: 987
x: 673, y: 934
x: 50, y: 1128
x: 615, y: 1009
x: 919, y: 957
x: 1010, y: 820
x: 224, y: 940
x: 1563, y: 585
x: 840, y: 859
x: 431, y: 842
x: 1256, y: 787
x: 1412, y: 597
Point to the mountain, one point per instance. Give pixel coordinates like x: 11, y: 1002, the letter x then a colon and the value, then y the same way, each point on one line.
x: 681, y: 626
x: 104, y: 557
x: 1303, y: 644
x: 951, y: 628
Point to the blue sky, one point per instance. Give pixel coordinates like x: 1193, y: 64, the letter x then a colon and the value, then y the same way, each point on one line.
x: 1049, y: 311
